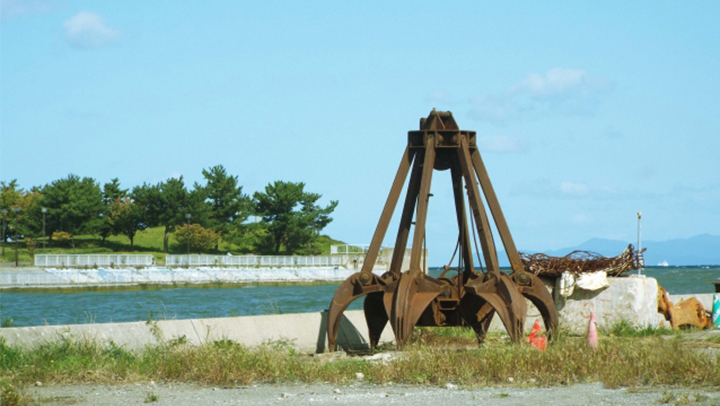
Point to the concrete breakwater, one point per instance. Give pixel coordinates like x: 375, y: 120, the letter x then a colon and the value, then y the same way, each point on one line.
x: 60, y: 277
x: 630, y: 299
x: 93, y: 270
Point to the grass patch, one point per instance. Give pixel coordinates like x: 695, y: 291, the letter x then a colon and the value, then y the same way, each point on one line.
x: 151, y: 397
x: 149, y: 241
x: 616, y: 362
x: 625, y: 329
x: 444, y: 337
x: 669, y: 398
x: 11, y: 395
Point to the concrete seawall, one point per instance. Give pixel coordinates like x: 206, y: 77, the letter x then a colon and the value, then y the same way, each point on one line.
x: 59, y: 278
x: 304, y: 331
x: 631, y: 299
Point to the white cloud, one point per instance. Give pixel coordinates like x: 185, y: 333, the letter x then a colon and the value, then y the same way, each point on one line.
x: 88, y: 30
x: 559, y: 91
x: 556, y: 82
x: 17, y: 8
x: 500, y: 143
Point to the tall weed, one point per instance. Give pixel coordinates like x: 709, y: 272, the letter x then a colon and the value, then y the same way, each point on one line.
x: 616, y: 362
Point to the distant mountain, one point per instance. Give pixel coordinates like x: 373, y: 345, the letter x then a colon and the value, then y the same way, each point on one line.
x: 703, y: 249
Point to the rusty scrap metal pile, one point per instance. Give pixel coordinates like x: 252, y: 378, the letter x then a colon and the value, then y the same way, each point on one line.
x: 408, y: 297
x: 583, y: 262
x: 688, y: 313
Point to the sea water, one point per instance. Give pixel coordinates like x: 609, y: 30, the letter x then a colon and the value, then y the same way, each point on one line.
x: 79, y: 307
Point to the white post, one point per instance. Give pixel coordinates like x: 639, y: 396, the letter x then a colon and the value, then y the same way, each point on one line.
x: 639, y: 247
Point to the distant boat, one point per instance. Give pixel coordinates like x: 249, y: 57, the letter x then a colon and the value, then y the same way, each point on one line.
x: 663, y: 263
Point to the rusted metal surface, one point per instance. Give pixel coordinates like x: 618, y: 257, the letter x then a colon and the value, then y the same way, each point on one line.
x: 583, y: 261
x: 406, y: 298
x: 664, y: 303
x: 689, y: 313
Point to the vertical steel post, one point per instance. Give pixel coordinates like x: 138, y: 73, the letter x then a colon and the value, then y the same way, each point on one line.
x: 639, y: 248
x: 44, y: 210
x: 187, y: 236
x: 17, y: 214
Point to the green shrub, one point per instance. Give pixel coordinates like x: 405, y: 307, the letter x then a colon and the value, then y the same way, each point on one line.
x: 201, y: 239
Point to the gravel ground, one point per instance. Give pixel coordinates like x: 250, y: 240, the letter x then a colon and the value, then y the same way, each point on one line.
x: 362, y: 394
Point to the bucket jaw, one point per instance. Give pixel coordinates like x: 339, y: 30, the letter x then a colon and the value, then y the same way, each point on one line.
x: 533, y: 288
x: 357, y: 285
x: 406, y: 300
x: 499, y: 291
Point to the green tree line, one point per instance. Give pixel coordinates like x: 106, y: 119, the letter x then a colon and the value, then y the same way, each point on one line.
x: 282, y: 219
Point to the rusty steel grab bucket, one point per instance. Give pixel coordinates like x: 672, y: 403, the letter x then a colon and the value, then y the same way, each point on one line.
x: 409, y: 298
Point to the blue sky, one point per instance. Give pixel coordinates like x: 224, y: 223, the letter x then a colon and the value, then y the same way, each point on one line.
x: 585, y: 113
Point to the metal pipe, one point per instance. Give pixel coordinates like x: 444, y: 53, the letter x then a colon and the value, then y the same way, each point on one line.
x: 17, y: 214
x: 44, y: 210
x: 187, y: 236
x: 639, y: 248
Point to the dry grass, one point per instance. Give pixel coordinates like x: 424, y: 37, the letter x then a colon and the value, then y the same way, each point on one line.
x: 432, y: 358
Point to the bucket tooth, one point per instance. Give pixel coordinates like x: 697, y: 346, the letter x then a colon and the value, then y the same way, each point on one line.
x: 376, y: 317
x: 478, y: 314
x: 351, y: 289
x: 538, y: 294
x: 502, y: 294
x: 409, y: 299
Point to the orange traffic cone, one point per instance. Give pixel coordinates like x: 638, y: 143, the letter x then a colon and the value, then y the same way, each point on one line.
x: 592, y: 336
x: 536, y: 341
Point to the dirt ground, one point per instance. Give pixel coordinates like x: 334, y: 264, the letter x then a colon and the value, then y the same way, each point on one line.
x: 362, y: 394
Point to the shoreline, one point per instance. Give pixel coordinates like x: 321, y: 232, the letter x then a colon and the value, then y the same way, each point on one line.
x: 159, y: 286
x: 155, y: 278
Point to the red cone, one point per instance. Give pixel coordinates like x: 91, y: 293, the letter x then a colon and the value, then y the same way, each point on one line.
x: 536, y: 341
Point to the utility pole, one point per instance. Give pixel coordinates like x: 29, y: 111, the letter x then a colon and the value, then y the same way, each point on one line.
x: 44, y: 210
x: 188, y: 216
x: 17, y: 214
x: 639, y: 247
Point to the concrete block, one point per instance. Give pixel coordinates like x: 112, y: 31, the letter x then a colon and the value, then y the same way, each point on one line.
x: 177, y: 331
x: 632, y: 299
x: 132, y: 336
x: 304, y: 331
x: 299, y: 330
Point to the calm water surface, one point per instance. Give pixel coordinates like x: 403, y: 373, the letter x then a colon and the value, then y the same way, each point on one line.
x: 30, y: 309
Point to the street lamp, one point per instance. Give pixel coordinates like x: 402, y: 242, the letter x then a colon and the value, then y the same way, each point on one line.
x: 44, y: 210
x: 4, y: 226
x: 188, y: 216
x: 17, y: 214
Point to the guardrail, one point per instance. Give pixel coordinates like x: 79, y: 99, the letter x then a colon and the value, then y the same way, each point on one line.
x: 349, y: 249
x: 53, y: 260
x: 251, y: 260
